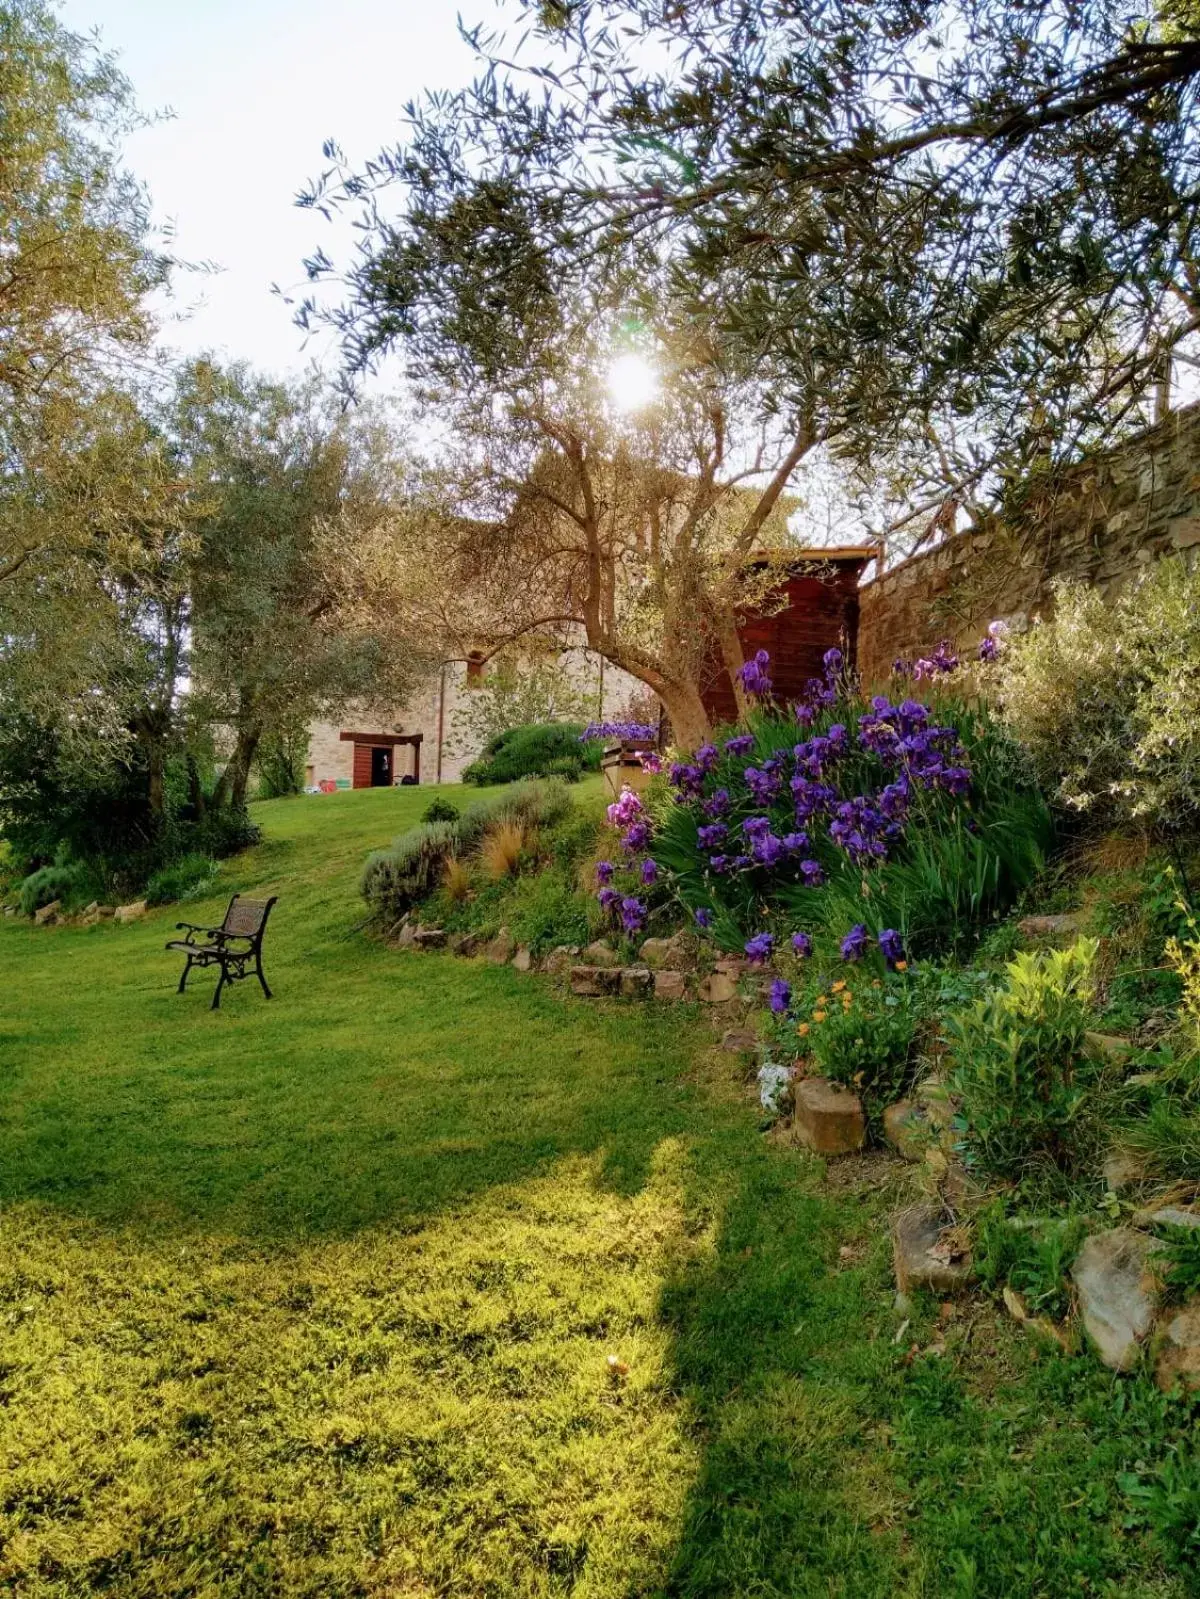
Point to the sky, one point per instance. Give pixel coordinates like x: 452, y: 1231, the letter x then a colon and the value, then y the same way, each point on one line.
x: 256, y: 87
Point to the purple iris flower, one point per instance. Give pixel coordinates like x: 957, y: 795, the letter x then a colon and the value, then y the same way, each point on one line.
x: 892, y: 946
x: 759, y: 948
x: 649, y: 871
x: 801, y: 945
x: 832, y: 661
x: 703, y: 917
x: 804, y: 714
x: 717, y: 804
x: 706, y: 757
x: 854, y: 945
x: 712, y: 835
x: 763, y: 783
x: 637, y: 837
x: 755, y: 677
x: 780, y: 996
x: 756, y: 826
x: 719, y: 863
x: 633, y: 915
x: 604, y: 872
x: 988, y: 649
x: 812, y: 874
x: 741, y: 745
x: 795, y: 843
x: 608, y: 897
x: 768, y: 850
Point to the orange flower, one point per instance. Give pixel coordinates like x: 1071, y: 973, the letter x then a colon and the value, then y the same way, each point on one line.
x: 820, y: 1000
x: 901, y: 966
x: 839, y: 985
x: 877, y: 984
x: 818, y: 1016
x: 803, y: 1029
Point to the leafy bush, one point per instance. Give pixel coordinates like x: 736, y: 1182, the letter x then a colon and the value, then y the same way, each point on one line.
x: 1022, y: 1072
x: 440, y: 810
x: 1180, y: 1262
x: 75, y: 883
x: 281, y: 758
x: 1104, y: 696
x: 222, y: 833
x: 545, y: 910
x: 184, y: 879
x: 1033, y: 1258
x: 921, y: 819
x: 863, y: 1035
x: 396, y: 879
x: 549, y: 749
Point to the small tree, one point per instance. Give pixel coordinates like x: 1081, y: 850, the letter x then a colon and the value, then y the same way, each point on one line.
x: 517, y: 692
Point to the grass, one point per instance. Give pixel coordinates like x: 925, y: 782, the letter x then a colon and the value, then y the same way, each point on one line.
x: 316, y: 1297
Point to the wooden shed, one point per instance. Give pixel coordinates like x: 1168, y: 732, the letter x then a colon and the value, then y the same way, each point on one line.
x: 817, y: 610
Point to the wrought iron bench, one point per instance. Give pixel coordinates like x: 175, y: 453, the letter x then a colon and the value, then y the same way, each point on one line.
x: 232, y: 946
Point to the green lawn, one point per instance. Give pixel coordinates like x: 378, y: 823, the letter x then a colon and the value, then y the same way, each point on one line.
x: 316, y: 1297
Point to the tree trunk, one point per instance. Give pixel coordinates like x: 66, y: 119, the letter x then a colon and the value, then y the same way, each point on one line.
x: 232, y: 784
x: 690, y: 725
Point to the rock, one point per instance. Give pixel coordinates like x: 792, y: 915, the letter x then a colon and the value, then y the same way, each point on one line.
x: 523, y: 959
x: 907, y: 1128
x: 598, y: 953
x: 560, y: 960
x: 928, y: 1252
x: 1108, y: 1047
x: 670, y: 985
x: 130, y: 913
x: 1123, y: 1169
x: 828, y: 1118
x: 1117, y: 1293
x: 90, y: 918
x: 1050, y: 926
x: 92, y: 910
x: 1167, y: 1216
x: 731, y: 966
x: 407, y: 936
x: 592, y: 981
x: 936, y: 1102
x: 773, y: 1084
x: 718, y: 988
x: 1178, y: 1350
x: 430, y: 938
x: 739, y: 1041
x: 635, y: 982
x: 463, y: 943
x: 48, y: 914
x: 672, y: 954
x: 500, y: 950
x: 107, y: 911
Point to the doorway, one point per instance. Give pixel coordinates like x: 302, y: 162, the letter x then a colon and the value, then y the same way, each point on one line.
x: 381, y: 768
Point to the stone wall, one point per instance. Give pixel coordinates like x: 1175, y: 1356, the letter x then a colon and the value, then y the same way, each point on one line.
x: 1104, y: 520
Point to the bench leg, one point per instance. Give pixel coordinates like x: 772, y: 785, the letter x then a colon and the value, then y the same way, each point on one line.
x: 221, y: 981
x: 261, y: 978
x: 183, y: 979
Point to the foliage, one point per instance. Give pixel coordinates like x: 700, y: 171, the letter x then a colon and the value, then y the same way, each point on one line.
x: 1022, y: 1072
x: 1180, y: 1262
x: 1104, y: 696
x: 187, y: 878
x: 919, y: 819
x: 399, y: 877
x: 861, y: 1031
x: 72, y: 882
x: 517, y: 692
x: 280, y: 759
x: 1031, y: 1254
x: 440, y: 809
x: 1169, y: 1136
x: 540, y: 750
x: 959, y: 272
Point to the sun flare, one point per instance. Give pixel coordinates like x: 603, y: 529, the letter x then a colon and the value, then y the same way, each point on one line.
x: 632, y: 382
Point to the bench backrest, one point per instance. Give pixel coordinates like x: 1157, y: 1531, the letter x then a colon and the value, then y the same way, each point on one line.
x: 247, y: 917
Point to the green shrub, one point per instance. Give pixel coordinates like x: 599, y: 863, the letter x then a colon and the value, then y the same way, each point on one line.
x: 396, y: 879
x: 1022, y: 1072
x: 183, y: 879
x: 863, y: 1036
x: 542, y: 749
x: 545, y: 910
x: 1104, y: 696
x: 440, y: 810
x: 222, y: 833
x: 75, y: 883
x: 1032, y: 1255
x: 1180, y: 1262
